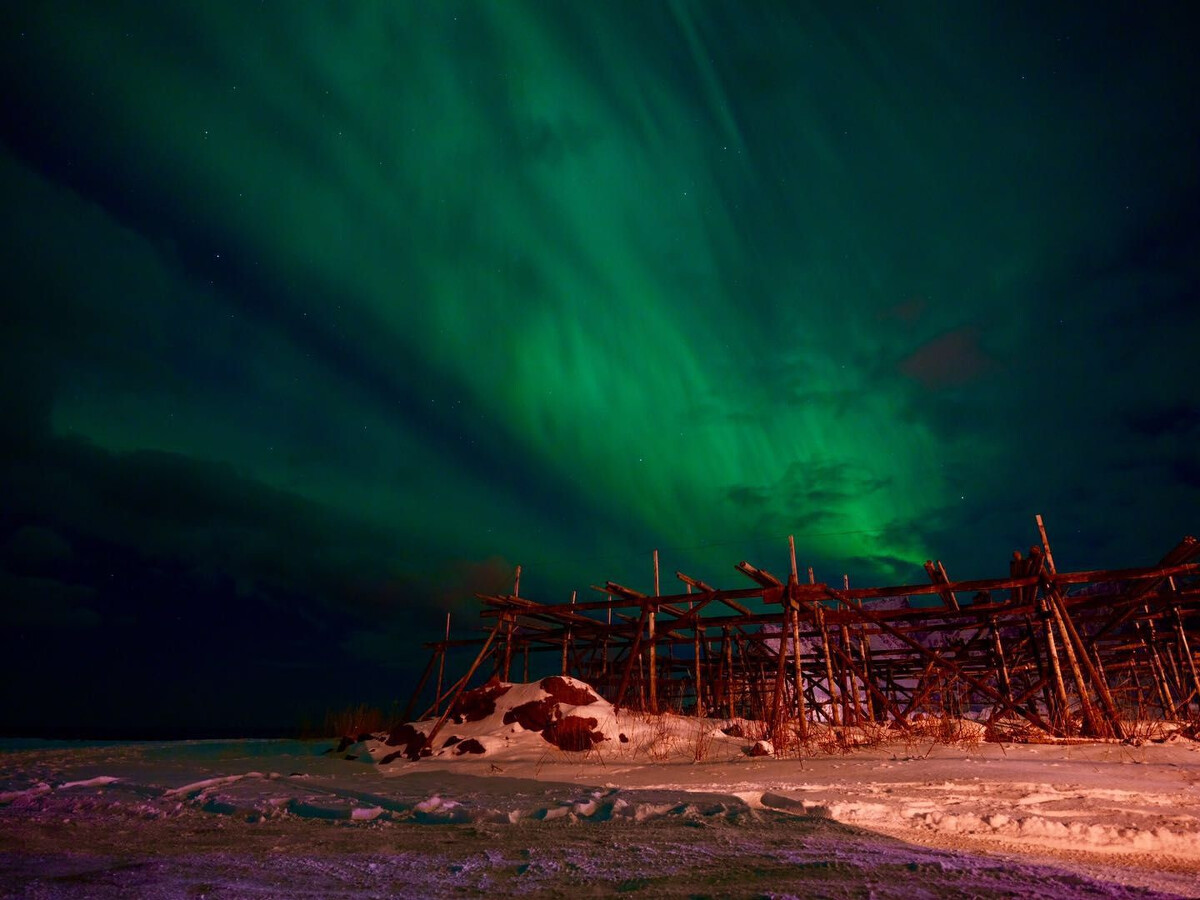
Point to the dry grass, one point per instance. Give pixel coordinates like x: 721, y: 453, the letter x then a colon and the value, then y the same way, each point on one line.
x: 354, y: 721
x: 948, y: 730
x: 701, y: 741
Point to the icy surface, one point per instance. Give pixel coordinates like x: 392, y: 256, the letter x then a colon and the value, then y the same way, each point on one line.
x: 644, y: 816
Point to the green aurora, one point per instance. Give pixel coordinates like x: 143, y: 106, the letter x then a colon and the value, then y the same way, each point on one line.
x: 337, y: 312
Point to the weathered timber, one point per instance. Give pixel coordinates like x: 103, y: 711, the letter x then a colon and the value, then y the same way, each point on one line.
x: 1058, y: 650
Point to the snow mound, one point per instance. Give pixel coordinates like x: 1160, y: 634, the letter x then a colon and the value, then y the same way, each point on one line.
x: 504, y: 720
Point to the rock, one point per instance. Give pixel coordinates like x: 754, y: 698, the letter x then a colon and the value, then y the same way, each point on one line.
x: 534, y: 715
x: 470, y: 745
x: 567, y: 693
x: 761, y: 748
x: 734, y: 730
x: 479, y: 703
x: 573, y: 733
x: 411, y: 739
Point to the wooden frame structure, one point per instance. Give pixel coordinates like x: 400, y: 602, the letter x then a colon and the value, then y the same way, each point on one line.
x: 1077, y: 653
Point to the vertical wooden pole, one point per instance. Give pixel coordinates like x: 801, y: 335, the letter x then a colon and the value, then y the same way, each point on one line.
x: 830, y: 688
x: 696, y: 666
x: 875, y: 695
x: 651, y: 652
x: 1060, y: 686
x: 854, y: 705
x: 634, y: 655
x: 797, y: 662
x: 567, y: 640
x: 777, y: 715
x: 1078, y: 657
x: 729, y: 700
x: 793, y: 585
x: 1149, y: 638
x: 1184, y: 650
x: 1105, y: 691
x: 653, y: 649
x: 1045, y: 615
x: 1001, y: 663
x: 1032, y: 631
x: 441, y: 666
x: 1137, y: 684
x: 1091, y: 721
x: 604, y: 646
x: 506, y: 666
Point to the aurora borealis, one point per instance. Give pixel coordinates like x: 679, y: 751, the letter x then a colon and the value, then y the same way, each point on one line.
x: 320, y: 316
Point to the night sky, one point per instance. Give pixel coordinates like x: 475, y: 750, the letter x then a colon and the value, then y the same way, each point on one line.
x: 320, y: 317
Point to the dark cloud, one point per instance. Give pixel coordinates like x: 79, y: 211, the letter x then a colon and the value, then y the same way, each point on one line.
x: 1174, y: 421
x: 951, y: 360
x: 44, y: 603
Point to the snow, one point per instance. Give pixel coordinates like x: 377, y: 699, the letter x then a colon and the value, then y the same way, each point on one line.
x: 679, y: 808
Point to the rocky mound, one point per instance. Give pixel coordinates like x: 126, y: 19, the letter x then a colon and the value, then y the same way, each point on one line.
x: 498, y: 716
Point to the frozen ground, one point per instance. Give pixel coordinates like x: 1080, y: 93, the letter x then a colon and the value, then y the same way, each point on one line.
x: 280, y: 818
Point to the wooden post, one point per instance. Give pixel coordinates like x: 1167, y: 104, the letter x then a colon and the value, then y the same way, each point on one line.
x: 604, y: 647
x: 1091, y: 722
x: 1095, y: 676
x: 864, y: 649
x: 1149, y: 638
x: 634, y: 656
x: 1077, y: 654
x: 1001, y: 663
x: 653, y: 662
x: 696, y: 665
x: 793, y: 585
x: 777, y: 715
x: 431, y: 710
x: 420, y: 687
x: 855, y: 607
x: 1031, y: 632
x: 1060, y: 686
x: 567, y: 640
x: 653, y: 650
x: 1184, y: 650
x: 1045, y: 542
x: 854, y: 705
x: 506, y: 667
x: 466, y: 679
x: 729, y: 700
x: 830, y: 688
x: 797, y: 662
x: 442, y: 663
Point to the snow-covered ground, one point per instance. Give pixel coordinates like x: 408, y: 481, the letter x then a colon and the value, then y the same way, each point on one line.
x: 677, y: 809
